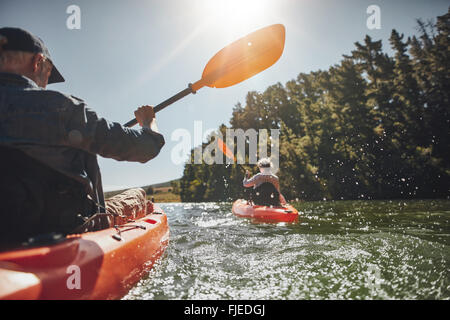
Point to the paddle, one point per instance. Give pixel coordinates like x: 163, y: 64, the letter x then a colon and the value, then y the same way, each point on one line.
x: 236, y: 62
x: 229, y: 154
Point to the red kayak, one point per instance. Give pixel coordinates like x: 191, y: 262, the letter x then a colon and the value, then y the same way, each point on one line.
x: 287, y: 213
x: 104, y: 264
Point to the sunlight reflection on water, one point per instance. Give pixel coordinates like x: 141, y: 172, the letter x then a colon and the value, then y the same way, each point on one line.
x: 338, y: 250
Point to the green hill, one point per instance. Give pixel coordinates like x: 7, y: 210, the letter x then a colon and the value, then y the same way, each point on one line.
x: 159, y: 188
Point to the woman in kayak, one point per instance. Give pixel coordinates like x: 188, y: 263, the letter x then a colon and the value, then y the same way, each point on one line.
x: 265, y: 176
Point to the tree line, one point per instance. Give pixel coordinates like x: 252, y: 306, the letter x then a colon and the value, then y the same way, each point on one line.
x: 374, y: 126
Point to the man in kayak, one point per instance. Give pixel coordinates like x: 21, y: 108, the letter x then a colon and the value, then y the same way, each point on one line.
x: 49, y: 144
x: 265, y: 184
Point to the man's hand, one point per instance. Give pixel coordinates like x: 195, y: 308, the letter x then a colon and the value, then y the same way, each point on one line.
x: 145, y: 116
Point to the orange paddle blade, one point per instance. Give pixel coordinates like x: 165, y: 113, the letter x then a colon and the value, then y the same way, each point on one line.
x: 225, y: 149
x: 244, y: 58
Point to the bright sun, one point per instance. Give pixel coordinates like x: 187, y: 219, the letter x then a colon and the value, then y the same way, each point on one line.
x: 233, y: 16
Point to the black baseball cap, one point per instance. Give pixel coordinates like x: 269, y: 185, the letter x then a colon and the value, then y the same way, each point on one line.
x: 18, y: 39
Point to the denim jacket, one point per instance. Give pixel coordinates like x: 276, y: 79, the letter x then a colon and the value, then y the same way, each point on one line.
x: 61, y: 132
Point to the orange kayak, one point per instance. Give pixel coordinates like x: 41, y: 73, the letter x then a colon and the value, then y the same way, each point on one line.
x: 242, y: 208
x: 103, y: 264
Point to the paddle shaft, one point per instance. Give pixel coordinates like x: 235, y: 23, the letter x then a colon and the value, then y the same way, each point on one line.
x: 165, y: 103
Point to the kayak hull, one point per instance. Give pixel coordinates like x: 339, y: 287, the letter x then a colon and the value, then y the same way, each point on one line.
x: 104, y: 264
x: 242, y: 208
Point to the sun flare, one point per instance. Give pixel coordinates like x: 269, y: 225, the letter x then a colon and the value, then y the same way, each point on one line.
x: 234, y: 16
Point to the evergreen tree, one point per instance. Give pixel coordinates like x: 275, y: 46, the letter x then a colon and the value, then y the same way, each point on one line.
x: 371, y: 127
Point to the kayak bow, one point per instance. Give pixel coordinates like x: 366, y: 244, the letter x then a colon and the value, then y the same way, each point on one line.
x: 242, y: 208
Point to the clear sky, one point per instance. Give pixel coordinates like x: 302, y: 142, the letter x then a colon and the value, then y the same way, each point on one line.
x: 131, y: 53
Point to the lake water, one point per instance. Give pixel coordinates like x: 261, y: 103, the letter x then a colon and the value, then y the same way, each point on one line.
x: 337, y: 250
